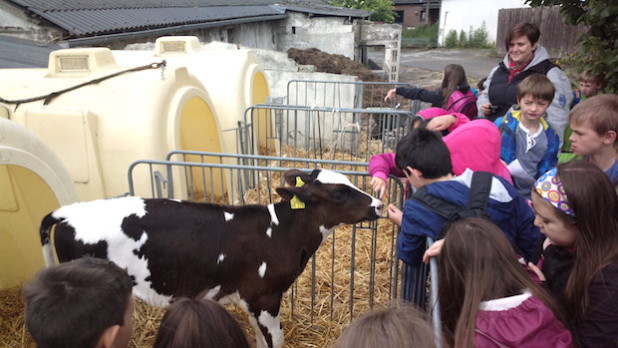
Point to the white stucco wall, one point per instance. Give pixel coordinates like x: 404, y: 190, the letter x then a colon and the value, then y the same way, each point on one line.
x: 461, y: 14
x: 333, y: 35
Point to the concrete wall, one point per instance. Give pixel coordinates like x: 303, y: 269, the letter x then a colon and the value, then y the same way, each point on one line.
x: 334, y: 35
x: 14, y: 22
x: 389, y: 36
x: 461, y: 14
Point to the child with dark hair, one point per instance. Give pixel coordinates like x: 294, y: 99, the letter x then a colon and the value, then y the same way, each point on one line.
x: 474, y: 145
x: 487, y: 299
x: 191, y: 323
x: 529, y: 144
x: 398, y: 326
x: 425, y: 161
x: 577, y: 211
x: 85, y: 303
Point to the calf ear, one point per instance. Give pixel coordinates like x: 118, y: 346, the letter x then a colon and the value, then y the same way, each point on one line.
x: 288, y: 192
x: 291, y: 175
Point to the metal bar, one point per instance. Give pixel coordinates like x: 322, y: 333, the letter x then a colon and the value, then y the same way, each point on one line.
x: 434, y: 303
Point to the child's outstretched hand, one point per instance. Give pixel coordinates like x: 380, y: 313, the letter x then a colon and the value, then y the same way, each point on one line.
x: 537, y: 270
x: 434, y: 250
x: 390, y: 95
x: 380, y: 186
x: 440, y: 123
x: 394, y: 214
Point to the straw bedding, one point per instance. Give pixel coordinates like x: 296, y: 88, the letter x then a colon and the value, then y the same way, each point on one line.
x: 303, y: 330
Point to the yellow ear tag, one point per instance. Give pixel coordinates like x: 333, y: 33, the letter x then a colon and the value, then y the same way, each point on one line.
x: 296, y: 203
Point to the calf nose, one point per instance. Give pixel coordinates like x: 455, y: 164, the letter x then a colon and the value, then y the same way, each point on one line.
x: 378, y: 205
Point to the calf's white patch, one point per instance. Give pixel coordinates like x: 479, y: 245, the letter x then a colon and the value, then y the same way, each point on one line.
x: 262, y: 269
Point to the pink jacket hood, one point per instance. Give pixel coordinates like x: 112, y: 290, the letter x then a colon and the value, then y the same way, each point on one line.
x: 476, y: 145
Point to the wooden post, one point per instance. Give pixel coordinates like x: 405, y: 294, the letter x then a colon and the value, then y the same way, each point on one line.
x: 427, y: 12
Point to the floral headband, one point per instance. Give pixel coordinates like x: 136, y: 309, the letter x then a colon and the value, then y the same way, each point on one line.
x: 551, y: 189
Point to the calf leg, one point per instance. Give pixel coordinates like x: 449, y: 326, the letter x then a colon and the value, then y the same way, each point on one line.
x: 264, y: 318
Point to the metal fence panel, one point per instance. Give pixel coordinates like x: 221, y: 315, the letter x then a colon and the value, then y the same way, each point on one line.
x: 356, y: 267
x: 323, y: 133
x: 347, y: 94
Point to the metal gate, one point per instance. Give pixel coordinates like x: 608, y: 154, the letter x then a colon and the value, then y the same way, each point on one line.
x: 353, y: 260
x: 347, y: 94
x: 369, y: 264
x: 322, y: 132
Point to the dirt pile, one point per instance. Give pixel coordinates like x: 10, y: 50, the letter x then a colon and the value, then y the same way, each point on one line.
x: 332, y: 63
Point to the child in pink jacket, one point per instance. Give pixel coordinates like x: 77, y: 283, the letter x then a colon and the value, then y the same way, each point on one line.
x: 472, y: 144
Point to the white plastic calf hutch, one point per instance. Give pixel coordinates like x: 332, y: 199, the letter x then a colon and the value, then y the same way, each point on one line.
x: 234, y: 79
x: 99, y: 129
x: 33, y: 182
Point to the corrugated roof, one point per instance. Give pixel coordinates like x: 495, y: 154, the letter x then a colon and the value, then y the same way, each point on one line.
x: 88, y: 22
x: 19, y: 53
x: 90, y: 17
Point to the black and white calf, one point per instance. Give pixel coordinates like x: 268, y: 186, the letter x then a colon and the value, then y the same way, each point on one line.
x: 249, y: 255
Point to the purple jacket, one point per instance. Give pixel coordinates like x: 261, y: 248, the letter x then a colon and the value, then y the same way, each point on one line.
x: 519, y: 321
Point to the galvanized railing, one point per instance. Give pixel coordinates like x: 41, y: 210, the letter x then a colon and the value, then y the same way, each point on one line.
x: 322, y: 133
x: 253, y: 182
x: 347, y: 94
x: 245, y: 179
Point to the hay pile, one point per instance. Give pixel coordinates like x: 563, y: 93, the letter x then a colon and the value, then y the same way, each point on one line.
x: 310, y: 327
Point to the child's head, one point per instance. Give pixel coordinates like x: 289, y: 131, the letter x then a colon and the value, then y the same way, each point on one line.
x: 82, y: 303
x: 424, y: 151
x: 589, y: 83
x: 534, y: 95
x: 480, y: 85
x: 554, y: 214
x: 399, y: 326
x: 579, y: 194
x: 454, y: 77
x: 477, y: 263
x: 203, y: 323
x: 594, y: 124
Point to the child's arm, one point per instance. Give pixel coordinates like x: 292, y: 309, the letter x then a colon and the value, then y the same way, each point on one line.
x: 482, y: 102
x: 424, y: 95
x: 450, y: 122
x: 380, y: 166
x: 527, y: 234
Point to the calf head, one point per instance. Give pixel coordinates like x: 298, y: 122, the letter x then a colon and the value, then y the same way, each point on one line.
x: 332, y: 193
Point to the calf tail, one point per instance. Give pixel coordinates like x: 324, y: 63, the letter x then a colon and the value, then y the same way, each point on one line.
x: 44, y: 232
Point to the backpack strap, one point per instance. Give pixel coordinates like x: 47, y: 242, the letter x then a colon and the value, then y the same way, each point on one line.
x: 459, y: 99
x: 480, y: 189
x: 444, y: 208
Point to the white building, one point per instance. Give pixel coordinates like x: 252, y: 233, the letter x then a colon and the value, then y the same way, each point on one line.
x: 461, y: 14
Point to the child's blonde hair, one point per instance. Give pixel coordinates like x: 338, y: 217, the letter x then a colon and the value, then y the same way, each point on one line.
x: 601, y: 111
x: 399, y: 326
x: 538, y: 86
x: 589, y: 76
